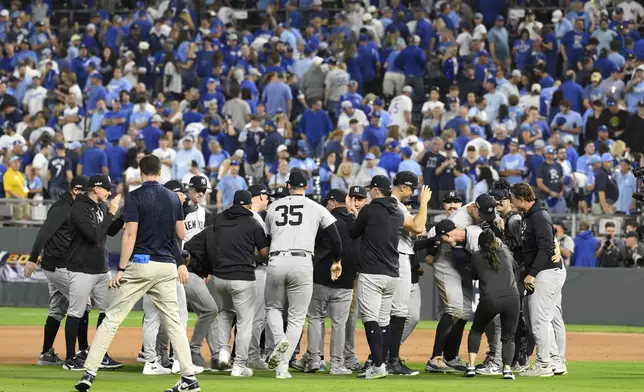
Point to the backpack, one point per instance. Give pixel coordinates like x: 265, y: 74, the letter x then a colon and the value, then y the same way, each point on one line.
x: 610, y: 258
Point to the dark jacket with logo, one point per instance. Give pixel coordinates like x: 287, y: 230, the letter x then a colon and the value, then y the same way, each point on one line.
x: 378, y: 224
x: 323, y: 255
x: 238, y: 234
x: 53, y: 237
x: 89, y: 226
x: 202, y: 252
x: 538, y: 240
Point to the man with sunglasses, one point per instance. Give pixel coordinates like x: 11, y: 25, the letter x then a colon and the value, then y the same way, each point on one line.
x: 53, y: 242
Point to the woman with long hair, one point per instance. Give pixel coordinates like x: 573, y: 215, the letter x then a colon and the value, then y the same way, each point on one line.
x: 486, y: 180
x: 493, y: 266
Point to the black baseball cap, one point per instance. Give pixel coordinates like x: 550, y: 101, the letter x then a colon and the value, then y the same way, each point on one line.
x: 560, y: 223
x: 452, y: 196
x: 449, y: 146
x: 298, y: 179
x: 100, y: 180
x: 175, y: 186
x: 80, y: 183
x: 358, y: 191
x: 337, y: 195
x: 486, y: 205
x: 380, y: 182
x: 443, y: 227
x: 242, y: 198
x: 632, y: 234
x: 280, y: 192
x: 257, y: 190
x: 406, y: 178
x: 198, y: 182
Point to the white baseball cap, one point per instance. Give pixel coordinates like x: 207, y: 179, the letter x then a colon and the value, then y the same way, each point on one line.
x: 281, y: 148
x: 367, y: 18
x: 408, y: 89
x: 556, y: 16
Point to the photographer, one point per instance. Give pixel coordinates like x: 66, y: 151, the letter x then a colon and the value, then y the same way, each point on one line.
x: 445, y: 170
x: 608, y: 253
x: 632, y: 253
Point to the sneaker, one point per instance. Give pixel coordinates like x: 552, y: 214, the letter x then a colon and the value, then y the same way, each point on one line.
x: 49, y: 358
x: 300, y: 364
x: 560, y: 369
x: 456, y: 364
x: 518, y: 367
x: 488, y: 359
x: 281, y: 371
x: 367, y: 364
x: 214, y: 365
x: 198, y: 360
x: 82, y: 355
x: 224, y: 358
x: 376, y: 372
x: 490, y: 370
x: 185, y: 384
x: 398, y: 368
x: 155, y: 369
x: 277, y: 356
x: 470, y: 371
x: 341, y: 371
x: 508, y: 375
x: 73, y: 364
x: 437, y: 365
x: 85, y: 382
x: 165, y: 360
x: 239, y: 371
x: 354, y: 366
x: 109, y: 363
x: 141, y: 358
x: 257, y: 364
x: 313, y: 366
x: 176, y: 368
x: 538, y: 371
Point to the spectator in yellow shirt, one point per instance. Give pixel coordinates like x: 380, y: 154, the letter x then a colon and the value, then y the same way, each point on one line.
x: 15, y: 186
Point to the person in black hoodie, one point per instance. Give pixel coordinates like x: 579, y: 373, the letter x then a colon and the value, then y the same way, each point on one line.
x: 377, y: 224
x: 331, y: 296
x: 53, y: 241
x: 544, y: 279
x: 238, y: 234
x: 90, y: 222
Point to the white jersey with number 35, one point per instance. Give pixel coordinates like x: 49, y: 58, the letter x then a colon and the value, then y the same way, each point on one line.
x: 293, y: 222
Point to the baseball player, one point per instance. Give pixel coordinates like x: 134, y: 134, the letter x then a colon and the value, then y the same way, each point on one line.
x: 359, y: 198
x: 90, y: 222
x: 259, y: 203
x: 414, y: 298
x: 455, y: 288
x: 53, y: 242
x: 377, y: 225
x: 331, y: 296
x: 544, y: 279
x: 292, y: 223
x: 147, y: 266
x: 405, y: 183
x: 238, y: 234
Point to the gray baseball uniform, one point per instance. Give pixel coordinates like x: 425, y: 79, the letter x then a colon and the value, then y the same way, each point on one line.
x: 350, y: 357
x: 400, y: 303
x: 259, y: 313
x: 414, y: 311
x: 293, y: 223
x: 83, y: 286
x: 58, y: 284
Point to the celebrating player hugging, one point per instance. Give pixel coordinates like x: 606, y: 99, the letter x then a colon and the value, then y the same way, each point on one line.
x: 260, y: 269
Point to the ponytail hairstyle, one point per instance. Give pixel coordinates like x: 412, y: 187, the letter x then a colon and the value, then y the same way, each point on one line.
x: 490, y: 247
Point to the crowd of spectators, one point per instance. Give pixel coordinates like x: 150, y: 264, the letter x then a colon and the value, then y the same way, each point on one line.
x: 456, y: 92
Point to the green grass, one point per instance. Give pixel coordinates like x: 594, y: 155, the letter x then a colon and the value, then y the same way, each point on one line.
x: 35, y: 317
x: 583, y: 376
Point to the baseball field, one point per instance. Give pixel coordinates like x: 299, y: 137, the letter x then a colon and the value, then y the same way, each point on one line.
x: 600, y: 358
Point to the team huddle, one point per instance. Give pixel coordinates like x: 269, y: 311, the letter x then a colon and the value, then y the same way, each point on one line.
x: 262, y: 269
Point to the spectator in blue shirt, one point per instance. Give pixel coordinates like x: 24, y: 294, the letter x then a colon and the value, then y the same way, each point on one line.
x: 412, y: 60
x: 96, y: 92
x: 568, y: 122
x: 115, y: 122
x: 627, y: 185
x: 373, y: 135
x: 390, y: 158
x: 353, y: 141
x: 277, y: 96
x: 369, y: 63
x: 152, y: 133
x: 513, y: 164
x: 117, y: 159
x: 94, y: 160
x: 573, y: 92
x: 228, y: 185
x: 573, y: 44
x: 408, y: 164
x: 316, y: 125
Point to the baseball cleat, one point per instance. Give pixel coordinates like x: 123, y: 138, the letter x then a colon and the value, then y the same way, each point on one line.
x: 398, y: 368
x: 140, y: 358
x: 73, y: 364
x: 239, y: 371
x: 508, y: 375
x: 488, y: 359
x: 109, y: 363
x: 489, y: 370
x: 560, y: 369
x: 82, y: 355
x: 176, y: 368
x: 518, y: 367
x: 281, y: 372
x: 224, y: 359
x: 538, y: 371
x: 277, y: 356
x: 367, y: 364
x: 257, y: 364
x: 356, y: 366
x: 342, y: 371
x: 85, y: 382
x: 300, y: 364
x: 456, y: 364
x: 376, y: 372
x: 470, y: 371
x: 313, y: 366
x: 185, y: 384
x: 155, y: 369
x: 49, y: 358
x: 437, y: 365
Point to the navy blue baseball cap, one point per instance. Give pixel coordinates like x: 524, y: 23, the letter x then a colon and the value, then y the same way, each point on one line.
x: 175, y: 186
x: 406, y: 178
x: 242, y: 198
x: 298, y: 179
x: 80, y: 183
x: 381, y: 182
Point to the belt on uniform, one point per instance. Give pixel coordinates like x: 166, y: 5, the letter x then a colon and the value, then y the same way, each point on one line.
x: 294, y: 253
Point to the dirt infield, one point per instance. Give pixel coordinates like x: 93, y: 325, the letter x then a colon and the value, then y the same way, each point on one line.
x: 21, y: 345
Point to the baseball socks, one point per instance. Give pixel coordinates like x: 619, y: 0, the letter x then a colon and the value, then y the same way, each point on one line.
x: 386, y: 341
x: 82, y: 332
x: 51, y: 330
x: 453, y: 341
x: 374, y: 339
x: 443, y: 329
x: 397, y: 326
x: 71, y: 333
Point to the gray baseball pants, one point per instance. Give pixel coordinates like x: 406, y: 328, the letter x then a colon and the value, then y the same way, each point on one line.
x: 493, y: 334
x: 235, y: 298
x: 259, y: 314
x: 82, y: 286
x: 155, y: 340
x: 400, y: 303
x: 542, y: 308
x: 375, y: 295
x: 337, y: 302
x: 414, y: 311
x: 202, y: 302
x: 289, y: 277
x: 350, y: 357
x: 58, y: 284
